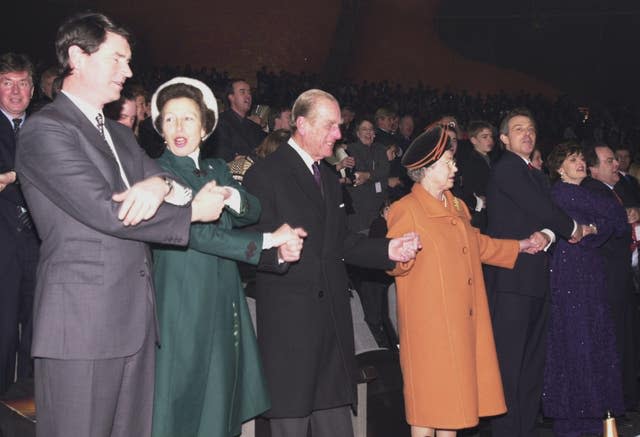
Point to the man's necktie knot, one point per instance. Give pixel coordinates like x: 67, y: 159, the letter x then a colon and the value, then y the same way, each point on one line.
x: 17, y: 122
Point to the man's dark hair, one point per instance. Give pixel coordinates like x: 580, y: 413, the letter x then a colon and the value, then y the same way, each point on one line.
x: 591, y: 156
x: 228, y: 89
x: 276, y: 113
x: 476, y: 126
x: 87, y: 30
x: 139, y: 90
x: 13, y: 62
x: 524, y: 112
x: 178, y: 90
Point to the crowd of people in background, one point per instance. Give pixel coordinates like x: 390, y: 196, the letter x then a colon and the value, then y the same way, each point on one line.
x: 426, y: 185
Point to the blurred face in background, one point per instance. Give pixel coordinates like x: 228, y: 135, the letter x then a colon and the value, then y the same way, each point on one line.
x: 240, y: 100
x: 128, y: 113
x: 624, y: 159
x: 365, y: 133
x: 16, y: 89
x: 483, y: 141
x: 453, y: 139
x: 406, y: 126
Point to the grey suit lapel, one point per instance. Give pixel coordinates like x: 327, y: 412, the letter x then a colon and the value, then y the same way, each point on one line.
x: 95, y: 146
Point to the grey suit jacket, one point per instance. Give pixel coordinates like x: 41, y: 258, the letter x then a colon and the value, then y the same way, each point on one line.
x: 94, y: 293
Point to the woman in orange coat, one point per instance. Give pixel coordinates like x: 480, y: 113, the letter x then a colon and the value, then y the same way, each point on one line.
x: 447, y: 352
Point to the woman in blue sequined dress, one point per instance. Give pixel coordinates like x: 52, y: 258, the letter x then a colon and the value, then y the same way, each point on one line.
x: 582, y: 374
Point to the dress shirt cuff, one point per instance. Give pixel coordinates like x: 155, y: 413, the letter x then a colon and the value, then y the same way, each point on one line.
x: 479, y: 203
x: 267, y: 240
x: 552, y: 237
x: 179, y: 195
x: 267, y: 243
x: 234, y: 201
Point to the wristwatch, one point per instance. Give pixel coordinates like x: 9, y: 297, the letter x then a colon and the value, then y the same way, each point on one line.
x: 169, y: 183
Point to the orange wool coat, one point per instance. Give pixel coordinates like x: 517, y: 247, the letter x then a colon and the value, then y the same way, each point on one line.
x: 447, y: 353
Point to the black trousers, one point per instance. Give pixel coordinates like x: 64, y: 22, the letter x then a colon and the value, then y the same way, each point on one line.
x: 519, y: 328
x: 18, y: 264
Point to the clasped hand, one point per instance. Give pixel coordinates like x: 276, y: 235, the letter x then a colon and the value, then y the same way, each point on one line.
x: 289, y: 242
x: 535, y: 243
x: 142, y: 200
x: 404, y: 248
x: 6, y: 179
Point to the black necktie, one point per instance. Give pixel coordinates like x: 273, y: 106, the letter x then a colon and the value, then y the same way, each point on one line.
x: 316, y: 175
x: 16, y: 125
x: 100, y: 122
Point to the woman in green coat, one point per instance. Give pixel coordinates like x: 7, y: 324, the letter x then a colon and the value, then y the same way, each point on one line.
x: 208, y: 374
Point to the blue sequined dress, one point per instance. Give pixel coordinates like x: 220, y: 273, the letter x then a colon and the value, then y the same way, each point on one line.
x: 582, y: 374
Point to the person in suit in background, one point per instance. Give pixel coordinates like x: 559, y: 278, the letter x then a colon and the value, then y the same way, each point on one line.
x: 519, y: 203
x: 123, y: 110
x: 305, y: 330
x: 95, y: 199
x: 237, y: 136
x: 476, y: 167
x: 18, y: 239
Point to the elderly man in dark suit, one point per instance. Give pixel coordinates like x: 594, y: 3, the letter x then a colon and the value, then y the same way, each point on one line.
x: 95, y: 198
x: 519, y: 203
x: 18, y: 240
x: 305, y: 331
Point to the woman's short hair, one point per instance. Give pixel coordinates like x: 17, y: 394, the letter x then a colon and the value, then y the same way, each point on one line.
x: 182, y: 90
x: 417, y: 174
x: 558, y: 155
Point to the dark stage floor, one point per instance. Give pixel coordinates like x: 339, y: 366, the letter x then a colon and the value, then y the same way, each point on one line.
x: 385, y: 416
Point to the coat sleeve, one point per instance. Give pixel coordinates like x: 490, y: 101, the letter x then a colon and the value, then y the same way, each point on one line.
x: 523, y: 191
x: 235, y: 244
x: 497, y: 252
x: 49, y: 158
x: 400, y: 221
x: 256, y: 181
x: 250, y: 208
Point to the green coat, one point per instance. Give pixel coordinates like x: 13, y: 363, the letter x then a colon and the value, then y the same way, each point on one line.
x: 208, y: 374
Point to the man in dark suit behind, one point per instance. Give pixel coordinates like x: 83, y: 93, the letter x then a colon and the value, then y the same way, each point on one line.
x: 236, y: 136
x: 95, y: 198
x: 519, y: 203
x: 18, y: 240
x: 305, y: 331
x: 605, y: 179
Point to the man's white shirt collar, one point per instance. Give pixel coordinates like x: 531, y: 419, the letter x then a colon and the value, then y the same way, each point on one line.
x: 87, y: 109
x: 308, y: 160
x: 10, y: 118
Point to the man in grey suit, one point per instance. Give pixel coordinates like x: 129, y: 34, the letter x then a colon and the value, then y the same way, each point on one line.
x: 95, y: 199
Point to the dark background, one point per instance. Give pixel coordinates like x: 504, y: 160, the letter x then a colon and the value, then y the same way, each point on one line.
x: 586, y: 48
